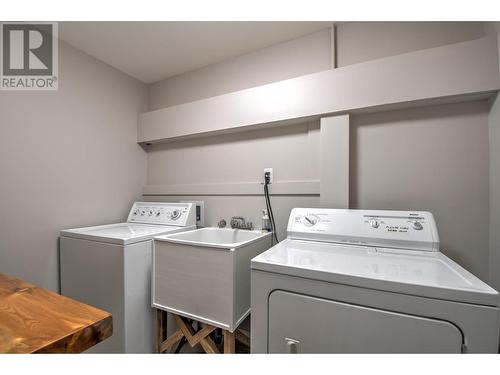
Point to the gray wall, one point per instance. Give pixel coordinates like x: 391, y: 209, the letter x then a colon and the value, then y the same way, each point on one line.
x: 429, y: 158
x: 240, y: 158
x: 356, y: 42
x: 70, y: 158
x: 297, y: 57
x: 226, y: 206
x: 67, y: 159
x: 363, y: 41
x: 494, y: 138
x: 494, y: 135
x: 448, y: 177
x: 433, y: 159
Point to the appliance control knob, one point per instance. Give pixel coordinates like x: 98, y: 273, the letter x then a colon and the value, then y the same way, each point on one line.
x: 310, y: 220
x: 175, y: 214
x: 417, y: 225
x: 374, y: 223
x: 158, y: 214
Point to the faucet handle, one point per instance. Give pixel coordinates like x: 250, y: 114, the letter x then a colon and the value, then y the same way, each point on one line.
x: 222, y: 223
x: 237, y: 222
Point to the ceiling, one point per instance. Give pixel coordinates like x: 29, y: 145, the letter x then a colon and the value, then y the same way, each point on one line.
x: 152, y: 51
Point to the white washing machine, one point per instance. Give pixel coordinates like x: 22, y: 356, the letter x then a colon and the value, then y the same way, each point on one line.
x: 357, y: 281
x: 109, y: 267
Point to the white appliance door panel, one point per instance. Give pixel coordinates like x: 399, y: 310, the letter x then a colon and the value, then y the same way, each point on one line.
x: 140, y: 330
x: 304, y: 324
x: 92, y: 273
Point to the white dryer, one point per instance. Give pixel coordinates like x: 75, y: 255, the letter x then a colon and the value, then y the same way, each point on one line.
x: 109, y: 266
x: 359, y: 281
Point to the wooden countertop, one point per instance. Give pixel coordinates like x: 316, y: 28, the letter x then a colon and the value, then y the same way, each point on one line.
x: 35, y: 320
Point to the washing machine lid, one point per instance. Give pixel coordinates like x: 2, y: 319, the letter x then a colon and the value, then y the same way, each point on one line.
x: 420, y: 273
x: 122, y: 233
x: 145, y: 220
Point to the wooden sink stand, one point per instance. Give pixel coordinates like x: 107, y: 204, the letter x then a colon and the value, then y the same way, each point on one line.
x: 186, y: 333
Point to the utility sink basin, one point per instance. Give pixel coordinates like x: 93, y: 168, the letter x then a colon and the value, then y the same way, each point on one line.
x: 204, y: 274
x: 216, y: 237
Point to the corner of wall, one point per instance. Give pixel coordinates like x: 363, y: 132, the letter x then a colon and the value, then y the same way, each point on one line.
x: 494, y: 195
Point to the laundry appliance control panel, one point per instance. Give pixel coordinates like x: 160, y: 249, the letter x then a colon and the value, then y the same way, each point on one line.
x: 160, y: 213
x: 412, y: 230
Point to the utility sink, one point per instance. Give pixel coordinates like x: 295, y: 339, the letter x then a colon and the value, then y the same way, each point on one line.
x: 204, y: 274
x: 216, y: 237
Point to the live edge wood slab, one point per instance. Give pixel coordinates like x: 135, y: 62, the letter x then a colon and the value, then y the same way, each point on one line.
x: 35, y: 320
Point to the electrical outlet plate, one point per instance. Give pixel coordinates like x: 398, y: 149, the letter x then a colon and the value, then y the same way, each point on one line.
x: 270, y: 170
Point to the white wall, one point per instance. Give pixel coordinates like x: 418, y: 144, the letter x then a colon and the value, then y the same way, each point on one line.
x: 433, y: 159
x: 67, y: 159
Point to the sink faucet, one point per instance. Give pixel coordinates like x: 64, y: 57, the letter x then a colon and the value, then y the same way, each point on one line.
x: 237, y: 222
x: 222, y: 223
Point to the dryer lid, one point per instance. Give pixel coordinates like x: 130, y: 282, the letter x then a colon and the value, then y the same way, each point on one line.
x: 420, y: 273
